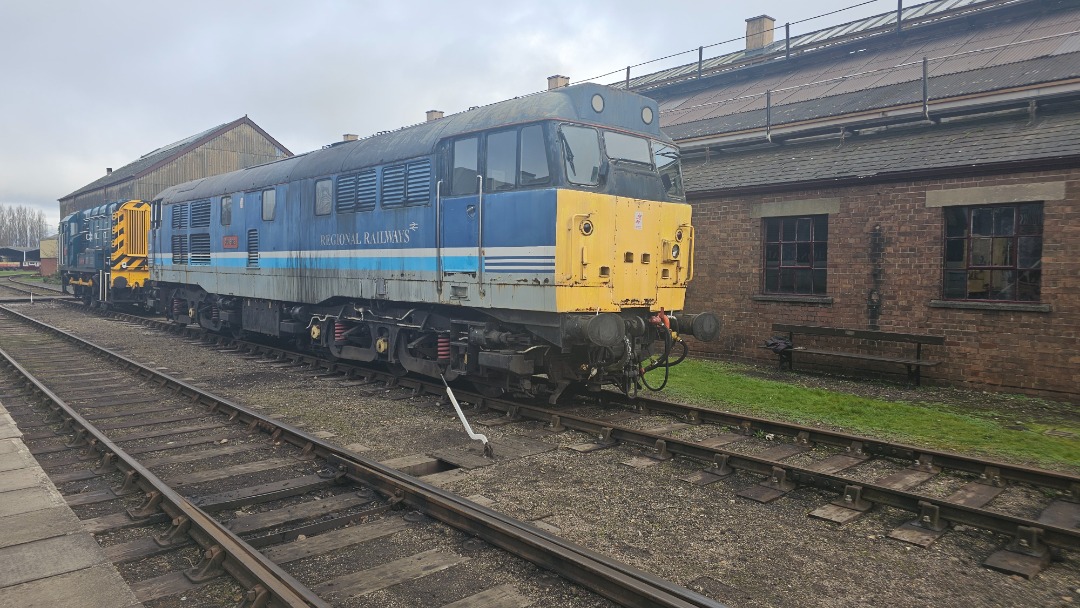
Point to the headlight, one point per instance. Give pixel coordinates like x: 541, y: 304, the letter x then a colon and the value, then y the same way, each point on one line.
x: 674, y: 252
x: 586, y: 228
x: 678, y: 234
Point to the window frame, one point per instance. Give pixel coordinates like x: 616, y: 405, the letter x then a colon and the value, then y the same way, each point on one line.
x: 595, y: 183
x: 329, y: 200
x: 273, y: 203
x: 1010, y: 244
x: 486, y: 166
x: 814, y: 244
x: 225, y: 210
x: 473, y: 188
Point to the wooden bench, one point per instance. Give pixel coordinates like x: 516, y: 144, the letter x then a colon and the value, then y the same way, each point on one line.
x: 914, y: 364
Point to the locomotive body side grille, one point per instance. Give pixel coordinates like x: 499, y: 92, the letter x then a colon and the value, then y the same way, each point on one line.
x: 253, y: 248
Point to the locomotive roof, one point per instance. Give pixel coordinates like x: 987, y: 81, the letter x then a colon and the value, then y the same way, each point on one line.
x: 621, y: 110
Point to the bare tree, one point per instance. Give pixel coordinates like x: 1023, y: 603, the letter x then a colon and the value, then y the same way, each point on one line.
x: 21, y: 226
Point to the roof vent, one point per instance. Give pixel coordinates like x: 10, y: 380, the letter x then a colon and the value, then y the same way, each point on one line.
x: 558, y: 82
x: 350, y: 137
x: 108, y: 170
x: 759, y: 32
x: 434, y: 115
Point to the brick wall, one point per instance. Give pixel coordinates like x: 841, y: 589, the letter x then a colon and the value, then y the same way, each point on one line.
x: 1017, y: 351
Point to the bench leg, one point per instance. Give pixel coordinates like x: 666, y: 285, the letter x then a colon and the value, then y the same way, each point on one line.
x: 914, y: 374
x: 784, y: 357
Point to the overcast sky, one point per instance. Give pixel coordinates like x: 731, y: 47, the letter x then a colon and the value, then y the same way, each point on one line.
x: 90, y: 85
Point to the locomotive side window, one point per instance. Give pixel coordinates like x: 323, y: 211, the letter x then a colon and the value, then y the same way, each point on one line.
x: 269, y: 204
x: 226, y: 210
x: 463, y: 175
x: 581, y: 152
x: 500, y: 161
x: 534, y: 162
x: 667, y: 164
x: 324, y: 196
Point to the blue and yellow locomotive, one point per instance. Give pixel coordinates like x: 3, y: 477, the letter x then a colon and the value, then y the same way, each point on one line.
x: 527, y: 246
x: 103, y: 253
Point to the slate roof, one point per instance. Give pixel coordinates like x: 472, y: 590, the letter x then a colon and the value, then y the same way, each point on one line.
x: 1014, y: 44
x: 892, y: 151
x: 166, y: 154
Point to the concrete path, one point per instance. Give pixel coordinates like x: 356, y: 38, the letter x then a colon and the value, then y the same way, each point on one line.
x: 47, y: 560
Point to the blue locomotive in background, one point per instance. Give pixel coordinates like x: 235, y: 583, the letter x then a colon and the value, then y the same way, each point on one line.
x: 528, y: 246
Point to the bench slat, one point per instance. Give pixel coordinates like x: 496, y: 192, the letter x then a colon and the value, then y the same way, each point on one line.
x: 812, y: 351
x: 860, y: 334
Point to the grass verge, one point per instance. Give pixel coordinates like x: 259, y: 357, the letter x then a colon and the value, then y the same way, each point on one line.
x: 946, y: 426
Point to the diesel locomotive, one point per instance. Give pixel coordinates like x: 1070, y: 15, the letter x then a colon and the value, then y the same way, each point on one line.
x: 527, y: 246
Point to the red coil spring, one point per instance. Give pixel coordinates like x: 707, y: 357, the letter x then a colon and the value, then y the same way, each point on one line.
x: 339, y: 331
x: 444, y: 348
x: 178, y: 306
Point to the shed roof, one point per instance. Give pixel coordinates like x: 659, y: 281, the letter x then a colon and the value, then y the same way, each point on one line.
x: 972, y: 48
x: 166, y: 154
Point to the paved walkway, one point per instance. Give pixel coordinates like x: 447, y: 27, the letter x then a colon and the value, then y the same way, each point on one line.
x: 46, y: 559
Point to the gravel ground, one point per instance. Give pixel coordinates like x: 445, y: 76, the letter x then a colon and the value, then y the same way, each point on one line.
x: 737, y: 551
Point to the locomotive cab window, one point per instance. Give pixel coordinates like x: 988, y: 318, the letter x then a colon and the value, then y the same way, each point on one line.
x: 465, y: 166
x: 581, y: 153
x: 226, y: 210
x: 324, y: 196
x: 627, y: 148
x: 269, y: 204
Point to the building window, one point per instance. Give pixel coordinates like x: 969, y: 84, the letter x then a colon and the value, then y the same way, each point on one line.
x: 226, y: 210
x: 993, y: 252
x: 269, y: 204
x: 324, y: 196
x: 796, y: 255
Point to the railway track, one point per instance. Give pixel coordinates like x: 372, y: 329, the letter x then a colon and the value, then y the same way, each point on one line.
x: 13, y: 290
x: 940, y: 489
x: 169, y: 475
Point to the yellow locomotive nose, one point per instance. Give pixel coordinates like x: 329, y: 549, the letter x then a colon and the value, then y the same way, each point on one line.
x: 615, y: 253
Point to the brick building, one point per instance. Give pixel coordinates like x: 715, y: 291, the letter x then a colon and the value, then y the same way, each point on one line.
x: 234, y: 145
x: 920, y: 179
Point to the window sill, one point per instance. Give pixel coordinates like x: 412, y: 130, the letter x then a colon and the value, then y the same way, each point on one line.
x: 792, y: 299
x: 1005, y: 306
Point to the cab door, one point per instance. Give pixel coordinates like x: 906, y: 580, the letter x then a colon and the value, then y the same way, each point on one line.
x: 460, y: 214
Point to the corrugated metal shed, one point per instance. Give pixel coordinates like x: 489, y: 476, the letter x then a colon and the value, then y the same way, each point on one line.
x: 912, y: 16
x: 1013, y: 44
x: 226, y: 147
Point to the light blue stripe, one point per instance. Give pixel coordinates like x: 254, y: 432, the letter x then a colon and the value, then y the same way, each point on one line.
x: 424, y: 264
